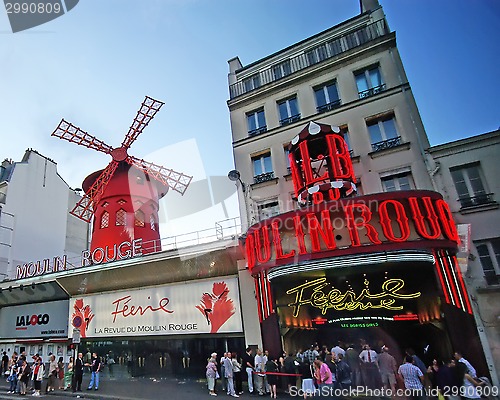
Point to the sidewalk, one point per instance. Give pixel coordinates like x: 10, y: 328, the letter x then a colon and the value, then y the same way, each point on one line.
x: 134, y: 389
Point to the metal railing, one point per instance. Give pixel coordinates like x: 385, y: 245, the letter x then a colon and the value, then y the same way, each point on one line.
x: 372, y: 91
x: 289, y: 120
x: 257, y: 131
x: 324, y: 51
x: 386, y: 144
x: 478, y: 200
x: 329, y: 106
x: 268, y: 176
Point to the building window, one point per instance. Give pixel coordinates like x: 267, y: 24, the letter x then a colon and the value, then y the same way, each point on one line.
x: 397, y: 182
x: 139, y: 218
x: 288, y: 110
x: 256, y: 121
x: 489, y: 256
x: 268, y: 209
x: 121, y: 202
x: 121, y: 217
x: 345, y: 134
x: 104, y: 219
x: 383, y: 133
x: 327, y: 97
x: 262, y: 168
x: 369, y: 82
x: 253, y: 82
x: 469, y: 185
x: 317, y: 54
x: 152, y: 222
x: 287, y: 159
x: 282, y: 69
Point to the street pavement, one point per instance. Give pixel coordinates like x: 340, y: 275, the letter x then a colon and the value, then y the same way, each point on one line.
x: 126, y: 388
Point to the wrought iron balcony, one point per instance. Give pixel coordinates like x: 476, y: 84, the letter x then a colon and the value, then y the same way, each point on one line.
x: 330, y: 106
x: 386, y: 144
x: 371, y: 92
x: 336, y: 45
x: 478, y: 200
x: 257, y: 131
x: 289, y: 120
x: 268, y: 176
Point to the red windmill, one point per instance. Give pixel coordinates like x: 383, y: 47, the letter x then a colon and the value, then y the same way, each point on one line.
x: 122, y: 198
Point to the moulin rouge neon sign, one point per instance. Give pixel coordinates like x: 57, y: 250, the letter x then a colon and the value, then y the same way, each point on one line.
x: 371, y: 220
x: 314, y: 294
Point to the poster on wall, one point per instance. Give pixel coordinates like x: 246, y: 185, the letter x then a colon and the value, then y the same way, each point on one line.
x: 208, y: 306
x: 35, y: 320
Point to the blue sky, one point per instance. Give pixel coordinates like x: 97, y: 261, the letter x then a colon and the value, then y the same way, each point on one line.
x: 94, y: 65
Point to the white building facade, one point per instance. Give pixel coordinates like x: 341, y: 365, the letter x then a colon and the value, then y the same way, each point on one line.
x: 35, y: 223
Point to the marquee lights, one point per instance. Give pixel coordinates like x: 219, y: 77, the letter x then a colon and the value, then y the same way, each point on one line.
x: 314, y: 294
x: 387, y: 221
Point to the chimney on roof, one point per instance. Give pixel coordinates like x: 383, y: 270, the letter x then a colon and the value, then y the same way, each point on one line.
x: 368, y: 5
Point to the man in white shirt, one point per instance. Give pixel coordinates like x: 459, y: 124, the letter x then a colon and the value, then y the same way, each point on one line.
x: 470, y: 369
x: 369, y: 368
x: 337, y: 350
x: 260, y: 366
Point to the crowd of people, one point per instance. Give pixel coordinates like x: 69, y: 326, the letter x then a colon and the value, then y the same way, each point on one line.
x: 24, y: 377
x: 343, y: 367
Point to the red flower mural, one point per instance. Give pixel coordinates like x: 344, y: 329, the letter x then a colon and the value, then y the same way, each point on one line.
x: 216, y: 307
x: 81, y: 317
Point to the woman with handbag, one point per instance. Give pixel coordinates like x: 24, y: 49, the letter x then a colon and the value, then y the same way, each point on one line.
x: 212, y: 373
x: 38, y: 371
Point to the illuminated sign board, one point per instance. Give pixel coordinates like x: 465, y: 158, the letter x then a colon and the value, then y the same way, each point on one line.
x: 208, y: 306
x: 122, y: 251
x: 385, y: 221
x: 322, y: 295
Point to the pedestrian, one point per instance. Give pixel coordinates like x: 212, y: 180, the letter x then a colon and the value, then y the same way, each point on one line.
x: 352, y: 358
x: 266, y: 357
x: 52, y: 374
x: 470, y: 369
x: 369, y: 368
x: 78, y: 373
x: 12, y: 379
x: 60, y: 372
x: 271, y: 371
x: 229, y: 375
x: 38, y: 371
x: 4, y: 367
x: 259, y: 375
x: 413, y: 378
x: 289, y: 368
x: 222, y: 372
x: 324, y: 378
x: 211, y: 373
x: 248, y: 364
x: 24, y: 377
x: 306, y: 373
x: 311, y: 354
x: 388, y: 369
x: 68, y: 375
x: 110, y: 361
x: 238, y: 387
x: 95, y: 368
x: 342, y: 373
x: 338, y: 349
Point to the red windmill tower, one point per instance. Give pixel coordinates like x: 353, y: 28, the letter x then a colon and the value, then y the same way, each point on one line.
x: 123, y: 198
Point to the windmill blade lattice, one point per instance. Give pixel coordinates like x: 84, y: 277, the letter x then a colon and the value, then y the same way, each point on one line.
x: 84, y: 209
x: 175, y: 180
x: 146, y: 113
x: 67, y: 131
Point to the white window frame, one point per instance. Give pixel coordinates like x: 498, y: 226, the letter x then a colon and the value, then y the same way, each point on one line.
x: 254, y: 114
x: 493, y: 257
x: 464, y: 169
x: 272, y: 204
x: 397, y: 184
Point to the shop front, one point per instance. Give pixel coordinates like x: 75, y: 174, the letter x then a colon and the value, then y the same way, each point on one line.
x: 40, y: 328
x: 161, y: 330
x: 378, y: 269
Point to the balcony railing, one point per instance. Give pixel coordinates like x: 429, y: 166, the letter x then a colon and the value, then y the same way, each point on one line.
x: 386, y: 144
x: 268, y: 176
x: 328, y: 107
x: 257, y: 131
x: 325, y: 51
x: 478, y: 200
x: 371, y: 92
x: 289, y: 120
